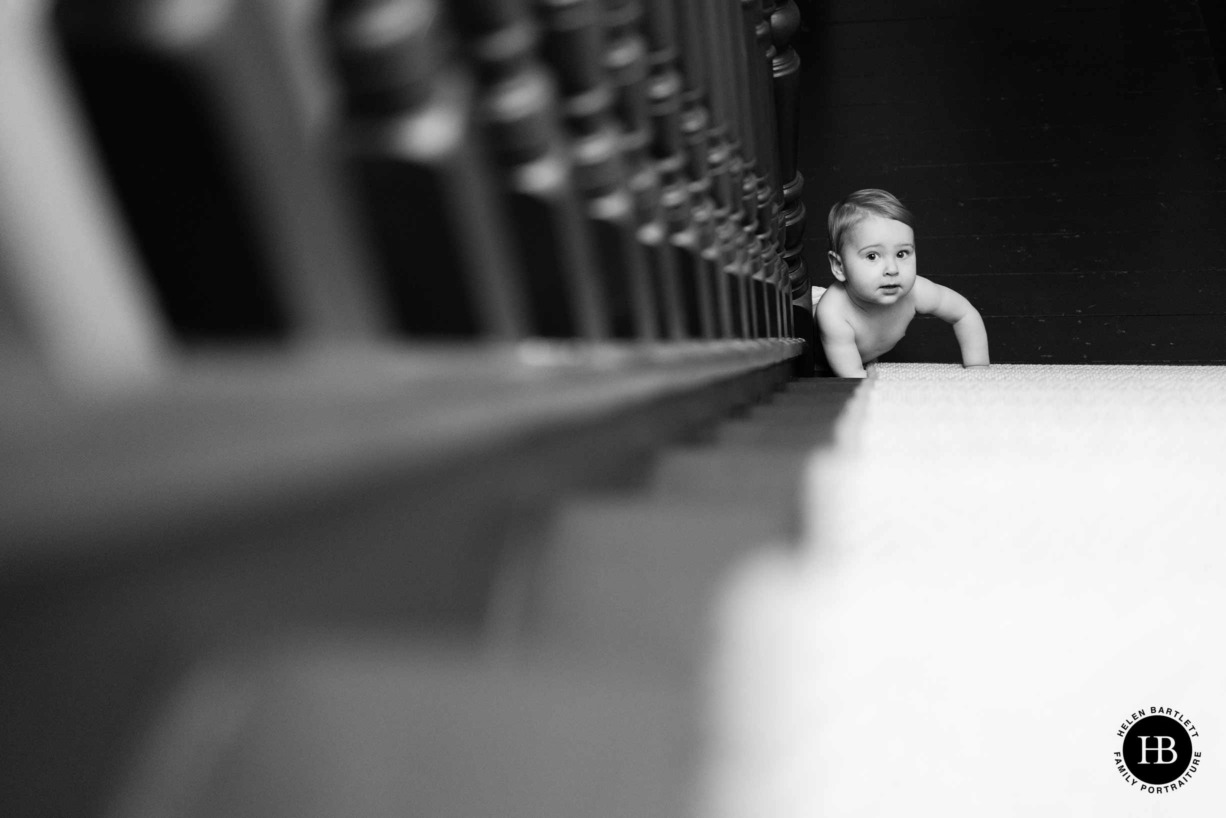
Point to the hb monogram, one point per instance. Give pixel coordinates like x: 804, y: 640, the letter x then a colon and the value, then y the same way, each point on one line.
x: 1162, y: 749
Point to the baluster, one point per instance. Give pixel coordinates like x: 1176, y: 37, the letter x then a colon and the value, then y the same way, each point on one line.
x: 739, y: 270
x: 665, y: 152
x: 706, y: 165
x: 234, y: 210
x: 665, y: 275
x: 782, y: 301
x: 421, y: 172
x: 737, y: 55
x: 743, y: 164
x: 699, y: 103
x: 784, y: 18
x: 688, y: 220
x: 519, y: 108
x: 765, y: 57
x: 626, y: 63
x: 573, y: 45
x: 72, y: 299
x: 695, y: 117
x: 728, y: 165
x: 692, y: 239
x: 726, y: 104
x: 759, y: 52
x: 712, y: 282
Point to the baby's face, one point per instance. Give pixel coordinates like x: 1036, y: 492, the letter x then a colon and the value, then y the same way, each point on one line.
x: 877, y: 261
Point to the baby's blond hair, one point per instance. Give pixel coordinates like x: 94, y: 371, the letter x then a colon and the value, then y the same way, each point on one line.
x: 855, y: 207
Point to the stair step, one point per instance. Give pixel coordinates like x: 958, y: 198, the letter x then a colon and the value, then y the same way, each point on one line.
x: 744, y: 477
x: 629, y: 580
x: 725, y: 472
x: 403, y: 728
x: 804, y: 399
x: 809, y: 385
x: 758, y: 432
x: 813, y: 415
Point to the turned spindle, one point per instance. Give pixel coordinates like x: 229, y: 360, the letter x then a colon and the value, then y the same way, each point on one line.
x: 573, y: 45
x: 422, y: 173
x: 234, y: 211
x: 518, y: 107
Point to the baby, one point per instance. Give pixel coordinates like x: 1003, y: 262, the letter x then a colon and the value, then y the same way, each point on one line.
x: 877, y: 293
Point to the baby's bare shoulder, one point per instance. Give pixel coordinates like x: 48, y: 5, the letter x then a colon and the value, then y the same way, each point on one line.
x: 833, y: 309
x: 926, y: 294
x: 834, y: 300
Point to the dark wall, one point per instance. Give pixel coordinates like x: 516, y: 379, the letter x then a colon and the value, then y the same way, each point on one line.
x: 1213, y: 13
x: 1061, y: 157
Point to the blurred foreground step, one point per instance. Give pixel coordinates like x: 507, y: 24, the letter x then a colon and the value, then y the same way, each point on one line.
x: 812, y: 416
x: 741, y: 478
x: 823, y: 384
x: 376, y: 729
x: 627, y: 581
x: 818, y: 429
x: 805, y: 393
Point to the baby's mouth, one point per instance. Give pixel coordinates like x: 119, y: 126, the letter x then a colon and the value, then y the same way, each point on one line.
x: 891, y: 288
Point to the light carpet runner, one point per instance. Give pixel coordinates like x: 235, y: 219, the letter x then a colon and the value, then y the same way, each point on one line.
x: 1000, y: 568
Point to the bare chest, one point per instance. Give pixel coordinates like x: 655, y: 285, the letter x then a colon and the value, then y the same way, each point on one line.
x: 877, y: 334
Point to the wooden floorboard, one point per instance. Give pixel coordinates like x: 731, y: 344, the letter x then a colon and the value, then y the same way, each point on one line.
x: 1064, y: 161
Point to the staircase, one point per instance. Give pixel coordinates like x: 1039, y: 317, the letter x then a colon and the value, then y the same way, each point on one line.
x: 935, y: 588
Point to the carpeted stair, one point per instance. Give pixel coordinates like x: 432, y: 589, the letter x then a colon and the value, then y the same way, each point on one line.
x: 998, y: 567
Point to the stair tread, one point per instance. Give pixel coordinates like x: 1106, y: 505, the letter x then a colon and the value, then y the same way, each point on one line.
x: 630, y: 580
x: 406, y: 729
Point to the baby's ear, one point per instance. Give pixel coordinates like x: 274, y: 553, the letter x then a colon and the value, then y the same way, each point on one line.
x: 836, y: 265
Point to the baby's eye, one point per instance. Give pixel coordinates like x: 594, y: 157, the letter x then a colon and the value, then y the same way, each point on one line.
x: 904, y: 253
x: 871, y: 256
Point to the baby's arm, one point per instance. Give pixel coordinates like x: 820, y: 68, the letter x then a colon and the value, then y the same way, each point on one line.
x: 839, y: 343
x: 933, y: 299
